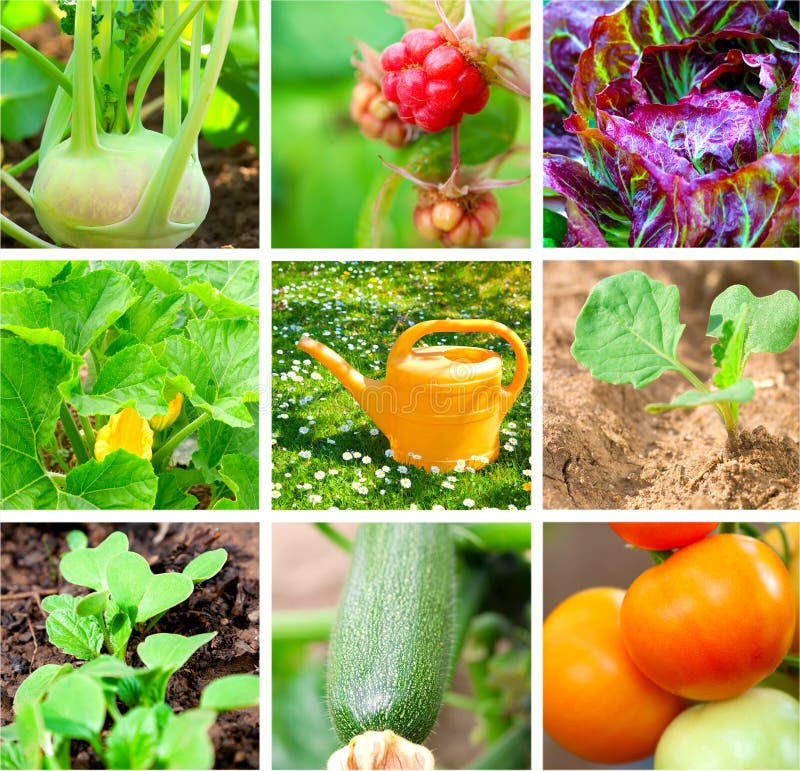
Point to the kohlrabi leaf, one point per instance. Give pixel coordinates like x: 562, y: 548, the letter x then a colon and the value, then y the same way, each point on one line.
x: 140, y: 27
x: 133, y: 740
x: 75, y: 707
x: 27, y: 93
x: 772, y: 321
x: 206, y: 565
x: 240, y: 473
x: 29, y: 379
x: 185, y: 742
x: 628, y: 330
x: 169, y: 652
x: 741, y: 391
x: 83, y: 308
x: 34, y: 687
x: 120, y: 481
x: 87, y: 567
x: 130, y: 378
x: 231, y: 692
x: 76, y: 635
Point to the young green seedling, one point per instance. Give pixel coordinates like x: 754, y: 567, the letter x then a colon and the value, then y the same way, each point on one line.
x: 126, y: 594
x: 57, y: 704
x: 628, y: 332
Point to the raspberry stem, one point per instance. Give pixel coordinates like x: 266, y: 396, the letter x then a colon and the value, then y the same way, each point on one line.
x: 455, y: 159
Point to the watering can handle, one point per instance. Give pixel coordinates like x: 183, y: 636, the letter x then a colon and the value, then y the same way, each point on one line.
x: 404, y: 343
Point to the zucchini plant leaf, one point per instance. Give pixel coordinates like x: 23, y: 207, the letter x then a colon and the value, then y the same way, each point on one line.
x: 240, y: 473
x: 628, y: 330
x: 120, y: 481
x: 29, y: 380
x: 741, y: 391
x: 171, y: 496
x: 132, y: 377
x: 37, y: 272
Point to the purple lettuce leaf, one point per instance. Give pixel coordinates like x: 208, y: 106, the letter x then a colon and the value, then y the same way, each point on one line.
x: 618, y: 39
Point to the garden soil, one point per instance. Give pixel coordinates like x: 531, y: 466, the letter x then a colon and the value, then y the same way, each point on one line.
x: 232, y: 220
x: 227, y: 604
x: 603, y: 451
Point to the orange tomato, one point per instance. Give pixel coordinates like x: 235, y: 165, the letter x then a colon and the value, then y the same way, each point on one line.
x: 712, y: 620
x: 597, y: 704
x: 662, y: 535
x: 773, y: 538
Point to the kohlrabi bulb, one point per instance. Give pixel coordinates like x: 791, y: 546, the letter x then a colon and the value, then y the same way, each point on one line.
x: 91, y: 198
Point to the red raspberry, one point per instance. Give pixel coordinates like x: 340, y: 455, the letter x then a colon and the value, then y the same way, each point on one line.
x: 456, y: 222
x: 431, y: 81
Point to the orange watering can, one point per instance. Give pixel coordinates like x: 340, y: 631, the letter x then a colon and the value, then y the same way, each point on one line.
x: 439, y: 405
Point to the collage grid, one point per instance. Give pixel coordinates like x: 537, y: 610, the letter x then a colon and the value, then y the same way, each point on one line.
x: 294, y: 570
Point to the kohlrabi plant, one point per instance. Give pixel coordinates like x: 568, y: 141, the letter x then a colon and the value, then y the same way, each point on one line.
x: 628, y: 332
x: 103, y: 179
x: 128, y: 385
x: 672, y: 124
x: 56, y: 703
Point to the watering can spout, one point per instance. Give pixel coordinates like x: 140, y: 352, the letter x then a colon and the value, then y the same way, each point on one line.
x: 360, y: 388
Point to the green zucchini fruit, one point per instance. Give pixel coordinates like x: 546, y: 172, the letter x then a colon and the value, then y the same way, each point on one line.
x: 390, y: 647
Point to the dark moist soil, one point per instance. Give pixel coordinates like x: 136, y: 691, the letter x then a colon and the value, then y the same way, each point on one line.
x: 603, y: 451
x: 227, y: 604
x: 232, y: 220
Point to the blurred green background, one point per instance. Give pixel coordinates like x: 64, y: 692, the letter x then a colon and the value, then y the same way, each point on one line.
x: 324, y: 172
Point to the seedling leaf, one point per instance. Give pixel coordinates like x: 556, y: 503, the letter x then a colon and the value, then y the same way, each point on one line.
x: 773, y: 320
x: 163, y: 592
x: 77, y: 636
x: 741, y: 391
x: 34, y: 687
x: 185, y: 743
x: 127, y: 576
x: 30, y: 733
x: 75, y: 707
x: 628, y: 330
x: 231, y: 692
x: 56, y: 601
x: 76, y: 539
x: 108, y: 667
x: 206, y: 565
x: 87, y: 567
x: 92, y: 604
x: 133, y: 740
x: 170, y: 652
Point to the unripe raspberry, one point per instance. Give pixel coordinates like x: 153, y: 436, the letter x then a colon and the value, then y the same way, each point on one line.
x: 462, y: 222
x: 446, y: 215
x: 431, y: 81
x: 376, y: 117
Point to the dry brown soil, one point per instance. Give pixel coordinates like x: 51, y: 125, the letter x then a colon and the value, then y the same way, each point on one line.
x: 227, y: 604
x: 603, y: 451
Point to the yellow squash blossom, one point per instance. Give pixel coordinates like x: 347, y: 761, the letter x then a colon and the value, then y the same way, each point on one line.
x: 160, y: 422
x: 127, y: 430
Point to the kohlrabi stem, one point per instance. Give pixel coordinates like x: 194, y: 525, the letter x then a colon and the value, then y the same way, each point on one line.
x: 195, y: 59
x: 16, y: 187
x: 104, y: 43
x: 84, y: 117
x: 157, y: 199
x: 24, y: 164
x: 172, y: 77
x: 19, y: 234
x: 165, y: 453
x: 71, y: 430
x: 42, y: 63
x: 153, y: 62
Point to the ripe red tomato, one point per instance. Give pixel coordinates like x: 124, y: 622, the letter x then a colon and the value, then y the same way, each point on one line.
x: 597, y: 704
x: 712, y: 620
x: 662, y: 535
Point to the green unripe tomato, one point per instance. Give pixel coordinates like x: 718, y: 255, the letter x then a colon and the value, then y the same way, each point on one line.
x: 85, y: 198
x: 758, y: 729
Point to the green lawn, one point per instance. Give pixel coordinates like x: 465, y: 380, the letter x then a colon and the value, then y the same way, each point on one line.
x: 326, y: 450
